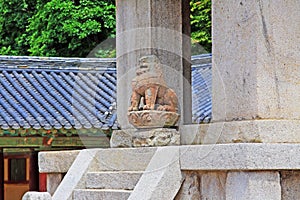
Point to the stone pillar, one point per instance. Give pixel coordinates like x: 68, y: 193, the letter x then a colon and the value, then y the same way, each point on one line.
x: 159, y: 27
x: 256, y: 70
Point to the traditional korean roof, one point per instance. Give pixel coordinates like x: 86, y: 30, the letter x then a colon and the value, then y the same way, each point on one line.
x: 75, y: 93
x: 56, y: 93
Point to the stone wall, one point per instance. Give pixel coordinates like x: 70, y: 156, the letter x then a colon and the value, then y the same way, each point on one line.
x: 219, y: 185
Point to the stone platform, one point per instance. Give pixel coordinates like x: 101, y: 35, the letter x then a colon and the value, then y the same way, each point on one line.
x: 215, y: 171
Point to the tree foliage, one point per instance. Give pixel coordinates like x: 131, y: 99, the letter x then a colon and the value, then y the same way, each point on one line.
x: 13, y: 21
x: 201, y: 25
x: 74, y: 27
x: 67, y: 28
x: 55, y: 27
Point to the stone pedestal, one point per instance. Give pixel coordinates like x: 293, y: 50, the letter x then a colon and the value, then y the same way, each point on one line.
x: 160, y: 28
x: 145, y: 138
x: 256, y: 63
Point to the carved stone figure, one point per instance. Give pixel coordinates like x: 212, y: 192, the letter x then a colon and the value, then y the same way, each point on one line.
x: 159, y: 102
x: 150, y: 84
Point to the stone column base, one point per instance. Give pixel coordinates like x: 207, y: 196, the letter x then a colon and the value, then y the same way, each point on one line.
x: 145, y: 138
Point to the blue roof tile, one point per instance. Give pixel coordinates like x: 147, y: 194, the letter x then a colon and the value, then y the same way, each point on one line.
x: 201, y: 88
x: 55, y: 93
x: 47, y: 97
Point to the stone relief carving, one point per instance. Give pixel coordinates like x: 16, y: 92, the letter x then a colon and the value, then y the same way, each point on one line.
x: 153, y: 103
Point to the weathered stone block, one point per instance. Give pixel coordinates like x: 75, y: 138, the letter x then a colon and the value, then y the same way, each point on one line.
x: 193, y: 134
x: 240, y: 156
x: 290, y: 185
x: 213, y: 185
x: 248, y: 131
x: 202, y: 185
x: 156, y: 137
x: 117, y: 159
x: 36, y: 196
x: 190, y: 188
x: 253, y: 186
x: 121, y: 138
x: 56, y: 162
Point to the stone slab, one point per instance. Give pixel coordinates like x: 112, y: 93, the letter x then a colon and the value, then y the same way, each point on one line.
x: 56, y: 161
x: 264, y: 131
x: 290, y: 184
x: 117, y: 159
x: 253, y: 131
x: 113, y: 180
x: 253, y: 186
x: 36, y: 196
x: 162, y: 178
x: 101, y: 194
x: 240, y: 156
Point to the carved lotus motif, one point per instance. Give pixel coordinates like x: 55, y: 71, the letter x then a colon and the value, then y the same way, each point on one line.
x: 152, y: 118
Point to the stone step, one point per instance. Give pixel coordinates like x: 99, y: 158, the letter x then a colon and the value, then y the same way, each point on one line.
x: 103, y: 194
x: 123, y: 159
x: 113, y: 180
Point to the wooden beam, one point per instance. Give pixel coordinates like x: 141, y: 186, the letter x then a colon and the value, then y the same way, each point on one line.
x: 36, y: 142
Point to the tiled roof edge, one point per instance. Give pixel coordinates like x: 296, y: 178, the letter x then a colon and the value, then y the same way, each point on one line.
x: 202, y: 59
x: 76, y: 63
x: 56, y: 62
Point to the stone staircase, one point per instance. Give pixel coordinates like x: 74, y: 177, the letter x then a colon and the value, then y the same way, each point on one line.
x: 108, y: 185
x: 106, y: 174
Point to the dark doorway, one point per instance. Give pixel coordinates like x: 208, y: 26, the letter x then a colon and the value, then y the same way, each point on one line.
x: 19, y: 174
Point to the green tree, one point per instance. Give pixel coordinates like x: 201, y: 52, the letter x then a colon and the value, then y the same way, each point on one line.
x: 13, y: 21
x: 201, y: 26
x: 75, y: 27
x: 70, y: 28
